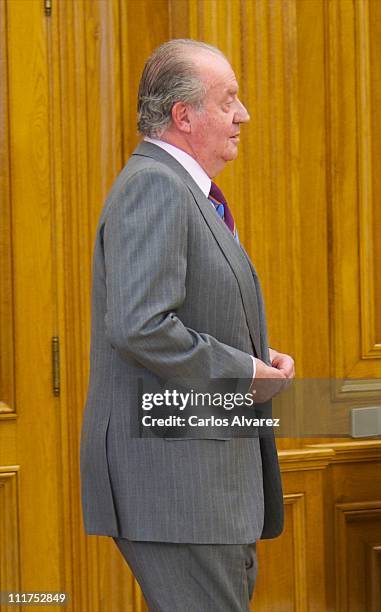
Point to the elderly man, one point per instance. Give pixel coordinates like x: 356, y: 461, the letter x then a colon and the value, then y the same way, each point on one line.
x: 175, y: 296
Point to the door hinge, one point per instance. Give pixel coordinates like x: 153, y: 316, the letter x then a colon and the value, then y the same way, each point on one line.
x: 48, y: 7
x: 56, y: 365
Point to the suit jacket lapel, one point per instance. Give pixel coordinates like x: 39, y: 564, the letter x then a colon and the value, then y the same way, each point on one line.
x: 229, y: 247
x: 238, y: 263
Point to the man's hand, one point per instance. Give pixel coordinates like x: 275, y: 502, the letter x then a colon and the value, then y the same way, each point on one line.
x: 271, y: 380
x: 282, y: 362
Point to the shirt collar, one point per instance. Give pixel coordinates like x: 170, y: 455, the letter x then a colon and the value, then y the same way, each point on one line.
x: 197, y: 173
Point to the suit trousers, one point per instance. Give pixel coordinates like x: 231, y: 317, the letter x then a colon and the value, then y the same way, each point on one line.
x: 192, y: 577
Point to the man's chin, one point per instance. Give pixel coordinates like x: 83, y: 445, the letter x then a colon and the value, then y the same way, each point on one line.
x: 232, y: 153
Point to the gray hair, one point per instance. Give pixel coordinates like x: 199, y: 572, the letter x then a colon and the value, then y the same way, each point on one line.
x: 170, y: 75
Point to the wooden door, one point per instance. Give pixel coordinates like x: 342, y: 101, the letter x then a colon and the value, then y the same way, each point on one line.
x: 31, y: 494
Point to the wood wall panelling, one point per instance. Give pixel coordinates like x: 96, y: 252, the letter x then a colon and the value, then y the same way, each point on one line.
x: 353, y: 478
x: 353, y: 256
x: 368, y: 91
x: 342, y: 184
x: 374, y: 30
x: 144, y: 26
x: 311, y: 127
x: 358, y: 527
x: 9, y: 533
x: 373, y: 577
x: 356, y: 452
x: 7, y: 380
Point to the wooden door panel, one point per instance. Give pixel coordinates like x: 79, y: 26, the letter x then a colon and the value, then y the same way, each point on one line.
x: 358, y: 555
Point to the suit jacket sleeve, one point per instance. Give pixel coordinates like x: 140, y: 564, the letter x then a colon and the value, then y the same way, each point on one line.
x: 145, y: 235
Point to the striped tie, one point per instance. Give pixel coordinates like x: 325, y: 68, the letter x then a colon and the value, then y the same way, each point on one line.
x: 217, y: 198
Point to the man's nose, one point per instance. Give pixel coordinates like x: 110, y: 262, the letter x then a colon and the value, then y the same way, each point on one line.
x: 241, y: 116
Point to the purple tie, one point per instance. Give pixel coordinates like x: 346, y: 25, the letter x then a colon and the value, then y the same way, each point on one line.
x: 218, y: 199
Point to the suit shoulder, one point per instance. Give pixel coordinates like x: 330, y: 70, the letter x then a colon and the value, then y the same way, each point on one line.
x: 140, y: 173
x: 144, y: 168
x: 146, y: 183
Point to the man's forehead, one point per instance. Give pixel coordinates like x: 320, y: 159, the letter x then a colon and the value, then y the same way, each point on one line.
x: 226, y: 82
x: 208, y: 60
x: 216, y: 71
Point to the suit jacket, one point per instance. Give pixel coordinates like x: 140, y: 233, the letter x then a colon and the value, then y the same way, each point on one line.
x: 174, y: 296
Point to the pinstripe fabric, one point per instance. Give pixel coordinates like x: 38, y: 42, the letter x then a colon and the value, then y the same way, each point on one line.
x: 193, y: 577
x: 163, y: 262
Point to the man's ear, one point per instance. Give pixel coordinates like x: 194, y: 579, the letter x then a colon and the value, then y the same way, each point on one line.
x: 180, y: 117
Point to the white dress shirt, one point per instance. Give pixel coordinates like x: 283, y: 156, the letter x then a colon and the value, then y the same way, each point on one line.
x: 197, y: 173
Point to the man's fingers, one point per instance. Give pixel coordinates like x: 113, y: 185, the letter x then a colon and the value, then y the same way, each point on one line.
x: 288, y: 372
x: 272, y: 380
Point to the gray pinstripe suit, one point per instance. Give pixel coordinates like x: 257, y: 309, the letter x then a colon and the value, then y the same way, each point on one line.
x: 173, y: 296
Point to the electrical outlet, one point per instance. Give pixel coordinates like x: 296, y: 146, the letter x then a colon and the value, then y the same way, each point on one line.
x: 366, y: 422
